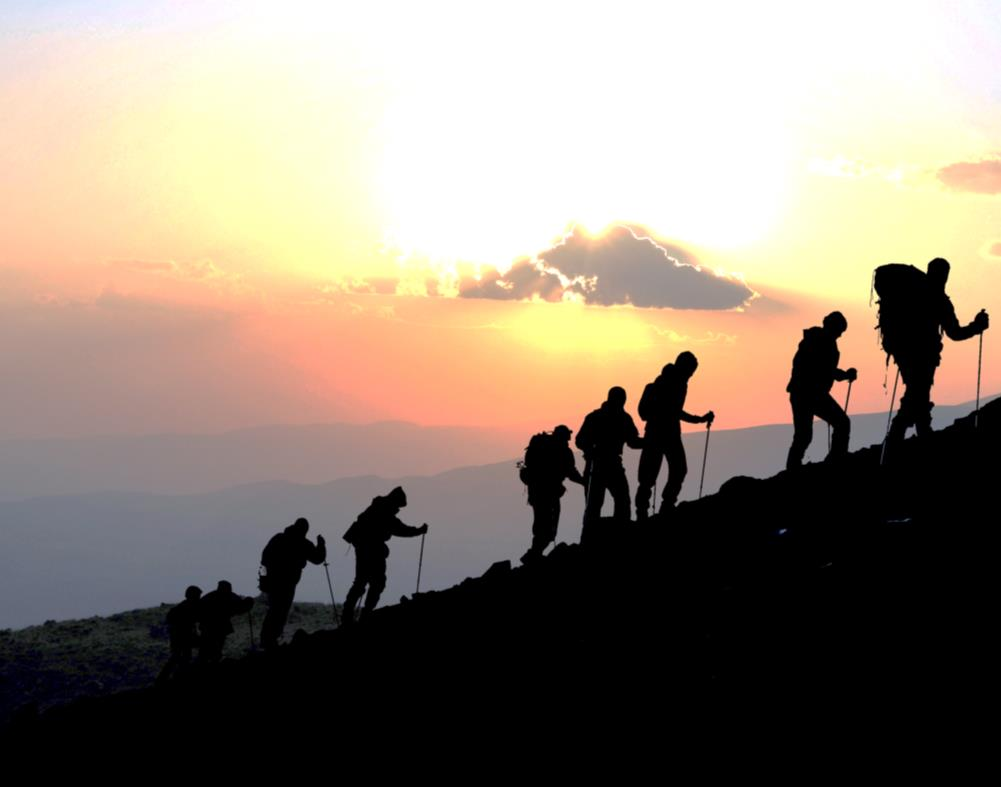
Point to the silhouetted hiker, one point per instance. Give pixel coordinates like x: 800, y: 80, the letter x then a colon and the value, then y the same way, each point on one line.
x: 283, y: 559
x: 914, y: 311
x: 368, y: 535
x: 549, y: 461
x: 182, y: 620
x: 662, y: 406
x: 814, y: 370
x: 215, y: 611
x: 601, y: 437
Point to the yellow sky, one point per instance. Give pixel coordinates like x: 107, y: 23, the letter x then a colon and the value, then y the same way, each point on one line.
x: 254, y: 158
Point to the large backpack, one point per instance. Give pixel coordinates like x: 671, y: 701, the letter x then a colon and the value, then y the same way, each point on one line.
x: 903, y: 305
x: 539, y: 457
x: 271, y: 559
x: 649, y: 403
x: 361, y: 529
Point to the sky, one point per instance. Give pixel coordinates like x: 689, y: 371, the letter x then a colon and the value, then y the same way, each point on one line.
x: 224, y: 214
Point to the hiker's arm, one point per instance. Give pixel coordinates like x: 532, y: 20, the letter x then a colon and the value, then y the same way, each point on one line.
x: 846, y: 374
x: 397, y: 528
x: 957, y: 332
x: 688, y: 418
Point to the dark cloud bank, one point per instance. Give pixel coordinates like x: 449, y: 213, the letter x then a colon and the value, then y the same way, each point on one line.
x: 619, y: 267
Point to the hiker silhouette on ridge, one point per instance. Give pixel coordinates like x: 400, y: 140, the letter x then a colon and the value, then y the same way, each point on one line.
x: 215, y: 610
x: 369, y: 535
x: 914, y: 312
x: 549, y: 461
x: 601, y: 438
x: 283, y: 559
x: 182, y: 623
x: 662, y: 406
x: 814, y: 371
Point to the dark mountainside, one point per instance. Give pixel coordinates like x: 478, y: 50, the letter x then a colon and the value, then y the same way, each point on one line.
x: 50, y: 664
x: 849, y: 589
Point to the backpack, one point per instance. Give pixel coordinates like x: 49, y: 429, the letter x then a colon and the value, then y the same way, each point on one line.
x: 359, y: 529
x: 539, y: 454
x: 354, y: 531
x: 648, y: 405
x: 269, y: 561
x: 903, y: 304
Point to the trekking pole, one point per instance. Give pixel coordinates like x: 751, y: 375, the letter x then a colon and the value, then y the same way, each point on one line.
x: 705, y: 455
x: 889, y: 415
x: 847, y: 397
x: 980, y: 364
x: 330, y: 587
x: 420, y: 564
x: 250, y: 621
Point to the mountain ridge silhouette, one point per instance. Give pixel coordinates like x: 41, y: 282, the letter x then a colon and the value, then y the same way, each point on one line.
x: 844, y: 583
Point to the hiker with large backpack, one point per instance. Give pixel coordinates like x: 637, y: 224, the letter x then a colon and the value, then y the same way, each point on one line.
x: 814, y: 371
x: 914, y: 312
x: 662, y: 406
x: 369, y: 535
x: 282, y: 563
x: 548, y: 462
x: 601, y: 438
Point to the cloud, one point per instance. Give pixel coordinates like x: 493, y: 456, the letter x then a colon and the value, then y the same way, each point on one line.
x: 525, y: 281
x: 375, y: 285
x: 975, y: 177
x: 994, y: 250
x: 617, y: 267
x: 199, y: 269
x: 710, y: 337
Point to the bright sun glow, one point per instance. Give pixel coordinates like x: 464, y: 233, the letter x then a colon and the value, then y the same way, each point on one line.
x: 486, y: 157
x: 574, y: 328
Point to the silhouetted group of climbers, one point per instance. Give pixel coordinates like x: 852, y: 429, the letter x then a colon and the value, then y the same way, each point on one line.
x: 914, y: 312
x: 201, y: 622
x: 602, y: 438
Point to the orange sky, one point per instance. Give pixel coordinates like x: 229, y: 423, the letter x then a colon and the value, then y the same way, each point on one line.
x: 194, y: 202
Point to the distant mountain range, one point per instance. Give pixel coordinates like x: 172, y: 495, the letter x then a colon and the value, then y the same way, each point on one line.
x: 72, y: 556
x: 189, y: 464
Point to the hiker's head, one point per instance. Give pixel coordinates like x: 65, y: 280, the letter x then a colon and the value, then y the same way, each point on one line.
x: 193, y: 593
x: 617, y: 397
x: 224, y: 586
x: 300, y: 526
x: 938, y: 272
x: 562, y: 432
x: 686, y: 363
x: 835, y: 324
x: 397, y: 497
